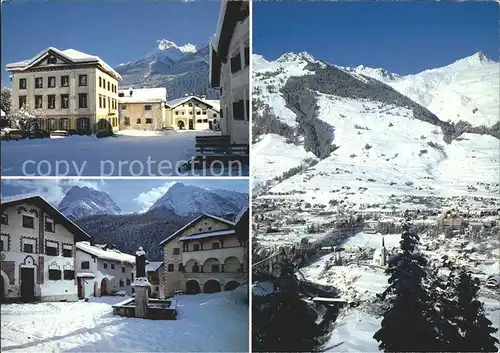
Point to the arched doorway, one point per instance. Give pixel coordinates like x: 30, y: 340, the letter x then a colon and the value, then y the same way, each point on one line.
x: 211, y: 286
x: 180, y: 124
x: 231, y: 285
x: 192, y: 287
x: 104, y: 287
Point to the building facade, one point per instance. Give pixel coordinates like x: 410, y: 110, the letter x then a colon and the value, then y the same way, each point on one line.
x: 229, y: 68
x: 37, y: 252
x: 192, y: 113
x: 142, y: 109
x: 103, y: 270
x: 155, y: 275
x: 205, y: 256
x: 71, y: 90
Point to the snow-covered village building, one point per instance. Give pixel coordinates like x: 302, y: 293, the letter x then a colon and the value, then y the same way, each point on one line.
x: 209, y: 254
x: 142, y: 108
x: 229, y: 68
x: 72, y: 90
x: 155, y: 274
x: 37, y: 251
x: 103, y: 270
x: 192, y: 113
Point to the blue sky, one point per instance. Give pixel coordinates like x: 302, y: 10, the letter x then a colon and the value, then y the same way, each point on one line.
x: 116, y: 31
x: 401, y: 37
x: 130, y: 195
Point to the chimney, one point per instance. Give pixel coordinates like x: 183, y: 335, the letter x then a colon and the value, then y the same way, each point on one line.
x: 186, y: 95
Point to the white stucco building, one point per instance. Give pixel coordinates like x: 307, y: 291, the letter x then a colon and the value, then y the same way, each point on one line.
x: 229, y: 68
x: 37, y: 252
x: 206, y: 255
x: 103, y: 270
x: 192, y: 113
x: 72, y: 90
x: 142, y: 108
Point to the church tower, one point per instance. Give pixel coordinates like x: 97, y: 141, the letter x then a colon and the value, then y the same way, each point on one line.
x: 383, y: 254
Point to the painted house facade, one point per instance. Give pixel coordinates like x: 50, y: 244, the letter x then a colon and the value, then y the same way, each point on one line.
x: 205, y: 256
x: 103, y: 270
x: 37, y: 252
x: 229, y: 68
x: 142, y: 109
x: 192, y: 113
x: 71, y: 90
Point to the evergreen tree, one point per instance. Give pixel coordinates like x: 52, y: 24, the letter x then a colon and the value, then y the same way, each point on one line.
x: 407, y: 325
x: 464, y: 326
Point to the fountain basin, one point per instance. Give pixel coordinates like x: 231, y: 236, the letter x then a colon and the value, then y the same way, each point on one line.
x: 158, y: 309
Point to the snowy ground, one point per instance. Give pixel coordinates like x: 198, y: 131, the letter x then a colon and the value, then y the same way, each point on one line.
x: 207, y: 322
x: 129, y: 153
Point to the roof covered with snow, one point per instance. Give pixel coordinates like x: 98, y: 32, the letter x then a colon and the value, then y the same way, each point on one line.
x: 214, y: 104
x: 71, y: 55
x: 218, y: 233
x: 142, y: 95
x: 173, y: 235
x: 153, y: 266
x: 108, y: 254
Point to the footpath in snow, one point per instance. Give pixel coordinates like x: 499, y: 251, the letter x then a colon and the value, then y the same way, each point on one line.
x: 206, y: 323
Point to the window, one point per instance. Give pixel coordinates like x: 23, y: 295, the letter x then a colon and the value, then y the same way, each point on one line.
x: 82, y: 80
x: 52, y: 82
x: 112, y: 266
x: 38, y: 102
x: 149, y: 121
x: 64, y: 124
x: 22, y: 101
x: 121, y: 94
x: 204, y: 112
x: 205, y: 120
x: 123, y: 106
x: 138, y: 121
x: 28, y: 248
x: 49, y: 225
x: 64, y: 81
x: 247, y: 56
x: 109, y: 102
x: 185, y: 247
x: 198, y: 112
x: 5, y: 242
x: 128, y: 281
x: 38, y: 82
x: 123, y: 269
x: 69, y: 275
x: 170, y: 267
x: 239, y: 110
x: 54, y: 275
x: 196, y: 247
x: 85, y: 265
x: 82, y: 100
x: 28, y: 222
x: 109, y: 86
x: 127, y: 121
x: 147, y: 107
x: 121, y: 283
x: 103, y: 83
x: 177, y: 251
x: 67, y: 251
x: 22, y: 83
x: 51, y: 60
x: 52, y: 101
x: 5, y: 219
x: 104, y: 102
x: 181, y: 267
x: 215, y: 245
x: 100, y: 82
x: 105, y: 265
x: 1, y: 245
x: 100, y: 101
x: 64, y: 101
x: 182, y: 113
x: 176, y: 112
x: 51, y: 249
x: 199, y: 121
x: 215, y: 115
x: 215, y: 268
x: 51, y: 124
x: 236, y: 63
x: 190, y: 104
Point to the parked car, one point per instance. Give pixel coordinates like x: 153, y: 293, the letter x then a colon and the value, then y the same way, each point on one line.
x: 59, y: 133
x: 39, y: 134
x: 13, y: 134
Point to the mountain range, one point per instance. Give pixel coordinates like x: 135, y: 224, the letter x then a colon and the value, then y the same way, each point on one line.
x: 334, y: 135
x: 96, y: 213
x: 181, y: 69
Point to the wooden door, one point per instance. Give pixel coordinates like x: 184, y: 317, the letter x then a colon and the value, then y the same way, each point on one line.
x: 27, y: 284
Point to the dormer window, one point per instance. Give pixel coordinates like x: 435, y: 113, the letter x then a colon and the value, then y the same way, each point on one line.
x: 51, y: 60
x: 121, y: 94
x: 131, y: 93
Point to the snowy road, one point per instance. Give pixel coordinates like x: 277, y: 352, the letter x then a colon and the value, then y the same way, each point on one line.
x: 207, y: 322
x: 127, y: 154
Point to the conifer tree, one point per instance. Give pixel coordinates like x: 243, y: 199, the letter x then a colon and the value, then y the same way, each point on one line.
x: 407, y: 325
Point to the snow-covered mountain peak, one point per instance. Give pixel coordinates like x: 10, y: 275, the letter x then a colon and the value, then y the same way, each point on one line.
x: 296, y: 57
x: 478, y: 58
x: 165, y: 44
x: 81, y: 202
x: 376, y: 73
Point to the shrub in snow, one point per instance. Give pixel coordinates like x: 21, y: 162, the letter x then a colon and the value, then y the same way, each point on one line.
x: 27, y: 118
